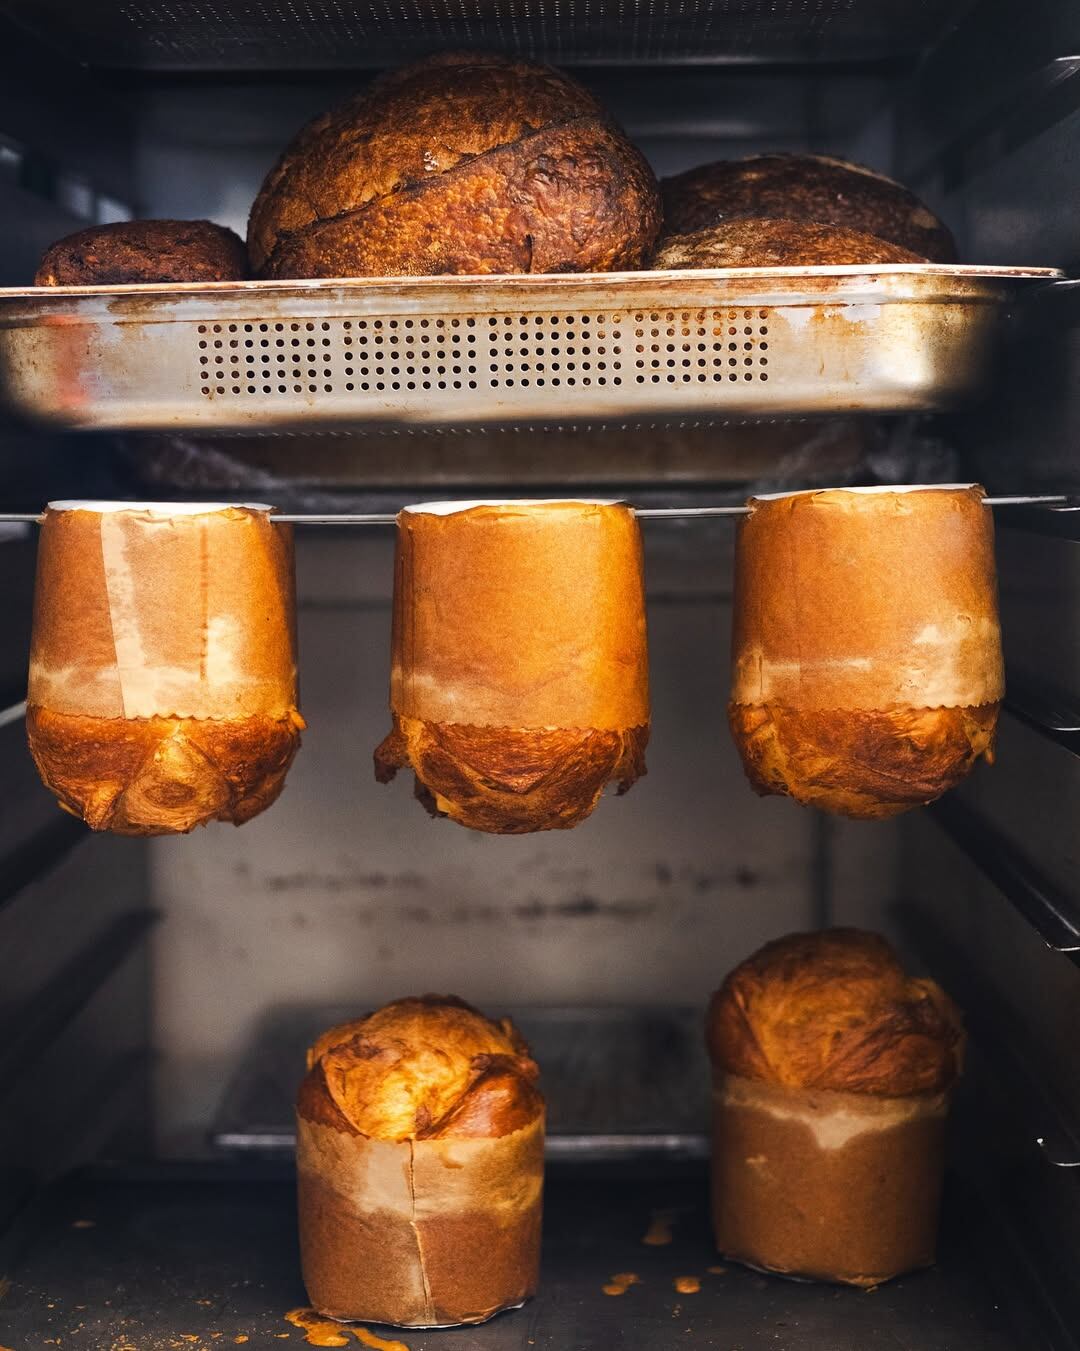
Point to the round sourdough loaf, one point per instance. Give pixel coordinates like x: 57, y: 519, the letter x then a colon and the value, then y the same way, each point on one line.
x: 867, y: 668
x: 144, y: 251
x: 763, y: 242
x: 420, y: 1161
x: 831, y: 1072
x: 462, y: 163
x: 806, y: 188
x: 519, y: 670
x: 162, y: 689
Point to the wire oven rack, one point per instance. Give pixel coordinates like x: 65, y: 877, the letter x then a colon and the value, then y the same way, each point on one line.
x: 445, y: 351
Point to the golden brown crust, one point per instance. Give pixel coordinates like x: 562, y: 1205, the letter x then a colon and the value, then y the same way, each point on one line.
x: 863, y: 763
x: 144, y: 251
x: 457, y: 164
x: 809, y: 188
x: 761, y: 242
x: 834, y: 1010
x: 511, y: 781
x: 162, y: 776
x: 422, y: 1069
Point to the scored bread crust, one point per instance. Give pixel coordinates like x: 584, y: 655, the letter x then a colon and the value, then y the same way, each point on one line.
x: 834, y: 1010
x: 868, y: 764
x: 127, y: 252
x: 511, y: 781
x: 519, y: 671
x: 458, y: 164
x: 162, y: 776
x: 420, y: 1134
x: 762, y: 242
x: 808, y: 188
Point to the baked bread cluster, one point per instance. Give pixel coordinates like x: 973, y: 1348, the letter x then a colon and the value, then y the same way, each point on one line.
x: 867, y: 671
x: 832, y: 1071
x: 469, y: 163
x: 420, y: 1136
x: 162, y: 689
x: 519, y: 666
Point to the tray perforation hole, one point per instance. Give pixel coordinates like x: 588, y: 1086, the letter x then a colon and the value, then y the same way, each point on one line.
x: 498, y: 351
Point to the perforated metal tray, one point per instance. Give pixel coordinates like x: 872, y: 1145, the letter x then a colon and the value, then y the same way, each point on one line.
x: 260, y: 356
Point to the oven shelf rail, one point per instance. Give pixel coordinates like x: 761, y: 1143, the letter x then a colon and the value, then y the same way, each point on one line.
x: 1045, y: 501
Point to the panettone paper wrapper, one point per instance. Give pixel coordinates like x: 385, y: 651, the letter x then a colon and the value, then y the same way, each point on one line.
x: 829, y: 1185
x: 875, y: 599
x: 419, y: 1233
x: 140, y: 612
x: 526, y: 615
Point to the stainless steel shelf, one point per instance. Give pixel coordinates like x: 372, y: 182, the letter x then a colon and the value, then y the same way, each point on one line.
x: 1054, y: 915
x: 260, y: 357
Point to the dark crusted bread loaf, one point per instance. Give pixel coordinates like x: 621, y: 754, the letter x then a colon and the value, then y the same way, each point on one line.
x: 754, y: 241
x: 144, y: 251
x: 809, y: 188
x: 463, y: 163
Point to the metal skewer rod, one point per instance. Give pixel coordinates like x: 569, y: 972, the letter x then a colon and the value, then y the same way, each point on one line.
x: 645, y: 513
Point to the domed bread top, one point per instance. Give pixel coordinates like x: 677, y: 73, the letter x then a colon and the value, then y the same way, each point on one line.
x: 807, y: 188
x: 850, y: 598
x: 421, y: 1069
x: 761, y: 242
x: 461, y: 163
x: 834, y: 1010
x: 133, y: 251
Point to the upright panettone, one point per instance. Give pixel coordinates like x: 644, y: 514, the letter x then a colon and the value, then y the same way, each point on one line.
x: 867, y: 668
x: 831, y: 1073
x: 162, y: 690
x: 806, y: 188
x: 420, y: 1163
x: 519, y: 676
x: 461, y: 163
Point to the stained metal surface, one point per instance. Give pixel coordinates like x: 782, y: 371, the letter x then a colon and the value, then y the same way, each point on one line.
x: 260, y: 356
x: 291, y: 34
x: 619, y: 1082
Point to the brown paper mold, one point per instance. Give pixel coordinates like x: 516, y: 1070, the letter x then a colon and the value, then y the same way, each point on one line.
x: 463, y: 163
x: 832, y: 1072
x: 519, y: 676
x: 420, y: 1159
x: 162, y: 690
x: 867, y: 668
